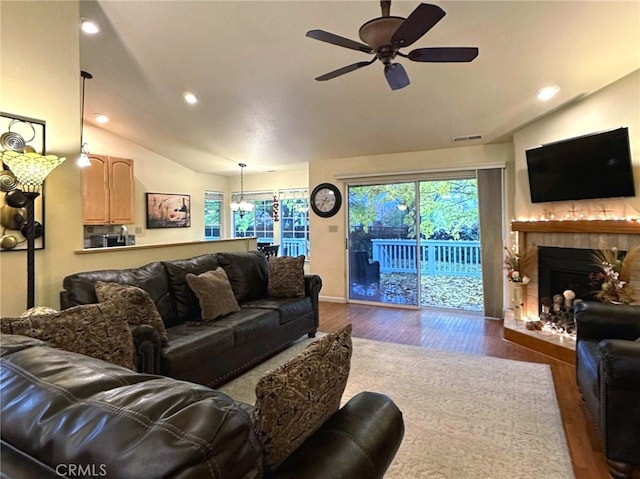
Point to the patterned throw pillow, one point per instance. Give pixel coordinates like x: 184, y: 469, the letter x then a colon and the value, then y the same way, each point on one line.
x: 214, y: 293
x: 286, y: 276
x: 96, y: 330
x: 135, y: 303
x: 294, y: 400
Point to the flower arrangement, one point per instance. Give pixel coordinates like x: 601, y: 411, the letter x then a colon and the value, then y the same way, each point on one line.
x: 612, y: 283
x: 517, y: 264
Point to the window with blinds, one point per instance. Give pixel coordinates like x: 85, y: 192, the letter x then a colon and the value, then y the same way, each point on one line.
x: 259, y: 222
x: 213, y: 204
x: 294, y: 222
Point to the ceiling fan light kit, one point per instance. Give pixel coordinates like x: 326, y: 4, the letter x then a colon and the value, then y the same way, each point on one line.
x: 385, y: 35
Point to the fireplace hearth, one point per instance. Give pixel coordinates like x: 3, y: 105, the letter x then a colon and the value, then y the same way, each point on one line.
x: 583, y: 236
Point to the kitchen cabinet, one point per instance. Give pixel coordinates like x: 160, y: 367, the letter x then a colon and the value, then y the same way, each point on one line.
x: 108, y: 191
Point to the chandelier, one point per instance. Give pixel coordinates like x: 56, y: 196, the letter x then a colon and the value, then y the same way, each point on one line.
x: 241, y: 206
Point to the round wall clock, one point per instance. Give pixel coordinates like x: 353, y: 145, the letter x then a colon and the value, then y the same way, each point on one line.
x: 326, y: 200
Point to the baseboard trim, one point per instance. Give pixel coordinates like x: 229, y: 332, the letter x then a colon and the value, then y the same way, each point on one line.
x: 332, y: 299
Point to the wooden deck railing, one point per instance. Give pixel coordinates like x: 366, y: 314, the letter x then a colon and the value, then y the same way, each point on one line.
x: 453, y: 258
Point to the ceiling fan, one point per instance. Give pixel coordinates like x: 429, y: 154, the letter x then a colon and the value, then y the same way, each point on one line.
x: 386, y: 35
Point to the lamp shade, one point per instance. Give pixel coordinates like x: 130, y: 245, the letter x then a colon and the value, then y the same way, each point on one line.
x: 30, y: 169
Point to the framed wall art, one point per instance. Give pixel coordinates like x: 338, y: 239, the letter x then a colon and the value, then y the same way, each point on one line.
x: 20, y: 134
x: 168, y: 210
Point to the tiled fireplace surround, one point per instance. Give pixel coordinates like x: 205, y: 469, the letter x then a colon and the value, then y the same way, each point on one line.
x: 622, y: 234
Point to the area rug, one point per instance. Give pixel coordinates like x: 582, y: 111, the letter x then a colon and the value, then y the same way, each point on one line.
x: 466, y: 416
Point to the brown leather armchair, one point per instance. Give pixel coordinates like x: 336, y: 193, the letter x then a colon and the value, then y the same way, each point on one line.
x: 608, y: 375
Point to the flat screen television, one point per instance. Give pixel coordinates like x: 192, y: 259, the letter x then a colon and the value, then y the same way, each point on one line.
x: 591, y: 166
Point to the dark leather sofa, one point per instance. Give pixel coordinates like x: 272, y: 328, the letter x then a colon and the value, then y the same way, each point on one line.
x: 68, y: 415
x: 207, y: 353
x: 608, y: 375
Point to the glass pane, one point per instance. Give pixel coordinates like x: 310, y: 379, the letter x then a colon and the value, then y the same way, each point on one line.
x: 451, y: 270
x: 383, y: 255
x: 294, y: 226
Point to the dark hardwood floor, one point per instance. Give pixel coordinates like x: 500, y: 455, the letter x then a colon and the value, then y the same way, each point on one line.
x: 471, y: 333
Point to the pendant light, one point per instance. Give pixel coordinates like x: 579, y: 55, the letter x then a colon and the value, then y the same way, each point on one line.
x: 241, y: 206
x: 83, y: 161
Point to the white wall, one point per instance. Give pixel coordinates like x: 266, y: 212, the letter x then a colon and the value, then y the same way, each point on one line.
x: 328, y: 253
x: 612, y: 107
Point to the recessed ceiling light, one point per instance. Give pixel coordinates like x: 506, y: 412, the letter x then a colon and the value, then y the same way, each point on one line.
x: 100, y: 118
x: 190, y: 97
x: 547, y: 93
x: 89, y: 26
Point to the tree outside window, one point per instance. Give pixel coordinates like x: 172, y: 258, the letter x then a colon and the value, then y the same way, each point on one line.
x: 294, y: 222
x: 259, y: 222
x: 213, y: 202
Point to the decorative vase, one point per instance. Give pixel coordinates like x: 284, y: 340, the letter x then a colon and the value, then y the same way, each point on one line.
x: 519, y: 295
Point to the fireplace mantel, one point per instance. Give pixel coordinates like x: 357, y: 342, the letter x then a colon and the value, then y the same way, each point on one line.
x: 578, y: 226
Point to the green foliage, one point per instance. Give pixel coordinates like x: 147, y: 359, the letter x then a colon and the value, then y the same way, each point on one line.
x: 449, y: 205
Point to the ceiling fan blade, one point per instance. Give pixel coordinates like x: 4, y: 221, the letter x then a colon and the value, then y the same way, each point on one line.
x: 443, y: 54
x: 343, y: 70
x: 396, y: 76
x: 421, y: 20
x: 338, y: 40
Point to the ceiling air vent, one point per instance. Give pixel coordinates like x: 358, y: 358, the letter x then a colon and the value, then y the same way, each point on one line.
x: 458, y: 139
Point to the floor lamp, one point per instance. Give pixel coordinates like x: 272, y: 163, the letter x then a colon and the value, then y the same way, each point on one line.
x: 30, y: 170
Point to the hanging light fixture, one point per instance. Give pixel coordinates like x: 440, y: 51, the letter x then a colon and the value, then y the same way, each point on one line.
x: 241, y: 206
x: 83, y: 161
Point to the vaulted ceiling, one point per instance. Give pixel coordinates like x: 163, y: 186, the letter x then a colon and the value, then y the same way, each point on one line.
x: 253, y: 70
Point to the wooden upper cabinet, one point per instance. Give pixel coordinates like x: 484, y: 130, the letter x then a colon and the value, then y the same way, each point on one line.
x: 108, y: 191
x: 121, y: 199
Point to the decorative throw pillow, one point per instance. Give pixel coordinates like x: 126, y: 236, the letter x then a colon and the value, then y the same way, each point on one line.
x: 214, y: 293
x: 135, y: 303
x: 294, y: 400
x: 36, y: 310
x: 96, y: 330
x: 286, y: 276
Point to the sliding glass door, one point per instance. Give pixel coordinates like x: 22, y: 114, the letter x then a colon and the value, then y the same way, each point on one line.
x: 382, y: 243
x: 415, y: 243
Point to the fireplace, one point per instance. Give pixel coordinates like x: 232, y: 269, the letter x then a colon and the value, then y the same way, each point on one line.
x: 560, y: 269
x: 564, y: 271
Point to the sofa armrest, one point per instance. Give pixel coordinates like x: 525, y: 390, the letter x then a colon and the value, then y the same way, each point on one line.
x: 607, y: 321
x: 312, y: 287
x: 620, y: 363
x: 146, y: 345
x: 359, y: 442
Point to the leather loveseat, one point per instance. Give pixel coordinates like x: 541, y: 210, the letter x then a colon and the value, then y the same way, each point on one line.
x: 208, y: 353
x: 68, y: 415
x: 608, y: 375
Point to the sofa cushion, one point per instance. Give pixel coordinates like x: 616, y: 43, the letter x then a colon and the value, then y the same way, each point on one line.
x: 135, y: 305
x: 214, y: 293
x: 96, y: 330
x: 289, y: 309
x: 250, y: 324
x: 286, y: 276
x: 248, y: 274
x: 187, y: 304
x: 294, y: 400
x: 151, y: 277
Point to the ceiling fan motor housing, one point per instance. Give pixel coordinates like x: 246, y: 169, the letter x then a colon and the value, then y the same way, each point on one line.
x: 378, y: 32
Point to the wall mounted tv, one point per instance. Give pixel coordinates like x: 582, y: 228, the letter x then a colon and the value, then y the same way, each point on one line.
x: 591, y: 166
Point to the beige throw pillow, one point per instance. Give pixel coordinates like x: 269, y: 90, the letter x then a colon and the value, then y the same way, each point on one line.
x: 96, y: 330
x: 286, y: 276
x: 214, y: 293
x: 294, y: 400
x: 135, y: 303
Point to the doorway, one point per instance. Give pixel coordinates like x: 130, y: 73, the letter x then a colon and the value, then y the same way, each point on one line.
x: 415, y: 243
